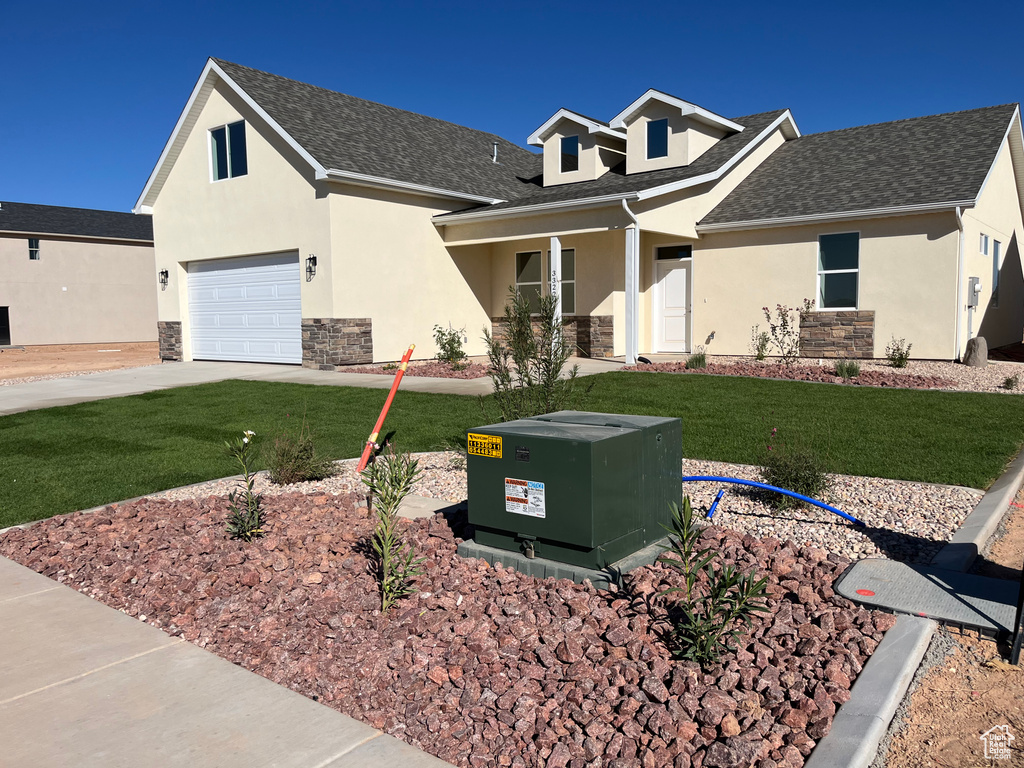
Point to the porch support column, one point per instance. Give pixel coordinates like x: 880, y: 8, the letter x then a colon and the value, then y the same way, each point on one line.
x: 632, y: 294
x: 555, y: 265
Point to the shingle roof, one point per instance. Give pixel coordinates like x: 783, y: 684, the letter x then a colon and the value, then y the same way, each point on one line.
x: 935, y: 159
x: 350, y: 134
x: 84, y: 222
x: 615, y: 181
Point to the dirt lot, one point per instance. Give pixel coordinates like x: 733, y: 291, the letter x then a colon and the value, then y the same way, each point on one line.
x: 968, y: 686
x: 55, y: 360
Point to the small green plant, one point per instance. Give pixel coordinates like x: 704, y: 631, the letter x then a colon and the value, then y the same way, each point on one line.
x: 898, y: 352
x: 245, y: 519
x: 1011, y: 382
x: 795, y: 467
x: 526, y: 366
x: 784, y: 329
x: 847, y: 369
x: 715, y: 603
x: 389, y: 367
x: 449, y: 345
x: 698, y: 359
x: 390, y: 477
x: 759, y: 343
x: 293, y: 459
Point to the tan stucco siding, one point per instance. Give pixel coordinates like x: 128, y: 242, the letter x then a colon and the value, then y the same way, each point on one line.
x: 636, y: 139
x: 276, y: 207
x: 391, y: 265
x: 998, y: 215
x: 589, y: 162
x: 571, y: 222
x: 907, y: 277
x: 78, y: 292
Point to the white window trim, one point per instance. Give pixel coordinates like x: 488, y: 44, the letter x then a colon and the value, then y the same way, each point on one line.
x: 820, y: 271
x: 647, y: 138
x: 983, y: 245
x: 561, y: 155
x: 227, y: 141
x: 997, y: 257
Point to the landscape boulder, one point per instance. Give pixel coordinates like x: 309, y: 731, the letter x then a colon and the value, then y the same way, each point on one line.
x: 976, y: 354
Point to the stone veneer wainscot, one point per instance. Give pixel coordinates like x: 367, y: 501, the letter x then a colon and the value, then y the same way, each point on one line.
x: 330, y: 342
x: 849, y: 334
x: 169, y: 336
x: 590, y: 335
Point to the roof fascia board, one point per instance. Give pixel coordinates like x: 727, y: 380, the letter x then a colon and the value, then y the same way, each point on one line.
x: 538, y: 137
x: 532, y: 210
x: 819, y: 218
x: 999, y: 152
x: 619, y: 121
x: 362, y: 179
x: 715, y: 175
x: 213, y: 68
x: 65, y: 236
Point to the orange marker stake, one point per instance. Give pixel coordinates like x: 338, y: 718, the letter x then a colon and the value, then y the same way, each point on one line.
x: 371, y: 443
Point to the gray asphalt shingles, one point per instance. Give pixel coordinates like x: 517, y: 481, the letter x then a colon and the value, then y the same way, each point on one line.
x: 84, y: 222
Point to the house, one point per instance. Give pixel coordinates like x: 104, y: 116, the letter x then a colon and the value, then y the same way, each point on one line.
x: 301, y: 225
x: 75, y: 276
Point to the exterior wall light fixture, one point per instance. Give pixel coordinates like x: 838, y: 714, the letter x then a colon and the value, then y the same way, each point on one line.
x: 310, y: 267
x: 164, y: 278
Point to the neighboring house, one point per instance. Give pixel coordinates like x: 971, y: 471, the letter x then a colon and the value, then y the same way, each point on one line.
x: 303, y: 225
x: 75, y: 276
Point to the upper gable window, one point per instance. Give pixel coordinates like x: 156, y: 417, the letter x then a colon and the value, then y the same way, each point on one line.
x: 227, y: 151
x: 570, y: 157
x: 657, y: 138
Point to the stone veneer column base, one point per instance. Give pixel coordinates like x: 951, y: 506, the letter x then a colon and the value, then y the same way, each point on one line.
x: 590, y: 335
x: 330, y: 342
x: 169, y: 336
x: 849, y: 334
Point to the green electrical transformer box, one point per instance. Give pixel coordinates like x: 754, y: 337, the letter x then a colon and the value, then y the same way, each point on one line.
x: 585, y: 489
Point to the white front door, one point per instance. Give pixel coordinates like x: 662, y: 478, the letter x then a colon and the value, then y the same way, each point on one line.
x: 672, y: 305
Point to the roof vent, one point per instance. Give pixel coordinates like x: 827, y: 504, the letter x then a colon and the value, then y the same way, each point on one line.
x: 494, y: 154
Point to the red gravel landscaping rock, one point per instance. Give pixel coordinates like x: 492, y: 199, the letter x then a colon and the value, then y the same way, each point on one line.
x: 801, y: 373
x: 483, y: 665
x: 432, y: 368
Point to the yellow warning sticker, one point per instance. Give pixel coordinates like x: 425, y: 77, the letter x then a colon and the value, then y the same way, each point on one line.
x: 484, y: 445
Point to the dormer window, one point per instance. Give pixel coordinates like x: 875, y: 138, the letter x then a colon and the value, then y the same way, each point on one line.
x: 227, y: 151
x: 570, y: 156
x: 657, y: 138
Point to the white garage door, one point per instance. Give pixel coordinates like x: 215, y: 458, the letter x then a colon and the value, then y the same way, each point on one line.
x: 246, y: 309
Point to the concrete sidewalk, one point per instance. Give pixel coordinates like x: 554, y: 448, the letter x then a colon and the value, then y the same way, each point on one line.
x: 32, y: 395
x: 86, y: 686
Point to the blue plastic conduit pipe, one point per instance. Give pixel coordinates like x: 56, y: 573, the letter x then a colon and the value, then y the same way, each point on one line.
x: 783, y: 491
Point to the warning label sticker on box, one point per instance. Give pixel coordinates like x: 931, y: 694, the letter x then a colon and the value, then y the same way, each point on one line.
x: 524, y: 497
x: 484, y: 445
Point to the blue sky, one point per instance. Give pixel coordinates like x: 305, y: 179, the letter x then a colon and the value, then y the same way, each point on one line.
x: 89, y: 92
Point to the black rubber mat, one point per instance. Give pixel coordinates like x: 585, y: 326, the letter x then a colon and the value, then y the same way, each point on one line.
x: 951, y: 597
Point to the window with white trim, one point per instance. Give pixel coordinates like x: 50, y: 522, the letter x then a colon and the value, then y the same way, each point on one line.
x: 657, y: 138
x: 228, y: 157
x: 838, y: 270
x: 997, y: 248
x: 530, y: 277
x: 570, y: 157
x: 983, y: 246
x: 33, y: 249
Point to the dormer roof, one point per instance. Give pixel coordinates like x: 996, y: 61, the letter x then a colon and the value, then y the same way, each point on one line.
x: 690, y: 110
x: 538, y: 137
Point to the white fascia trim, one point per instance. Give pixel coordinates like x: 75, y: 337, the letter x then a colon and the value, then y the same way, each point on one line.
x: 212, y: 67
x: 1014, y: 117
x: 619, y: 121
x: 532, y: 210
x: 867, y: 213
x: 537, y: 137
x: 64, y: 236
x: 366, y: 180
x: 720, y: 172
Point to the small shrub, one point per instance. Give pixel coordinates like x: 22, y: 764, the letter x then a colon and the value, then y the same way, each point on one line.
x: 898, y: 352
x: 293, y: 459
x: 794, y: 467
x: 697, y: 360
x: 245, y: 519
x: 526, y: 368
x: 449, y: 344
x: 714, y: 604
x: 848, y: 369
x: 759, y: 342
x: 389, y: 367
x: 1011, y: 382
x: 784, y: 329
x: 390, y: 478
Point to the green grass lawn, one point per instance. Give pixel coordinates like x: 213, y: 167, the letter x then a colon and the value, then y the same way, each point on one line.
x: 61, y: 459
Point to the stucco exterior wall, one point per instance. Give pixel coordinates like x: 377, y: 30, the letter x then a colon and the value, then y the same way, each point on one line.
x: 276, y: 207
x: 636, y: 139
x: 78, y: 292
x: 590, y: 167
x: 907, y: 276
x: 997, y: 214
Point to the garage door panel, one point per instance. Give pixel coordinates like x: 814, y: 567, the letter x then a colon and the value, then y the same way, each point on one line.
x: 246, y: 309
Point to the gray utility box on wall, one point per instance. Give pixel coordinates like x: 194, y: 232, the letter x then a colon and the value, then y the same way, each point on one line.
x: 584, y: 489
